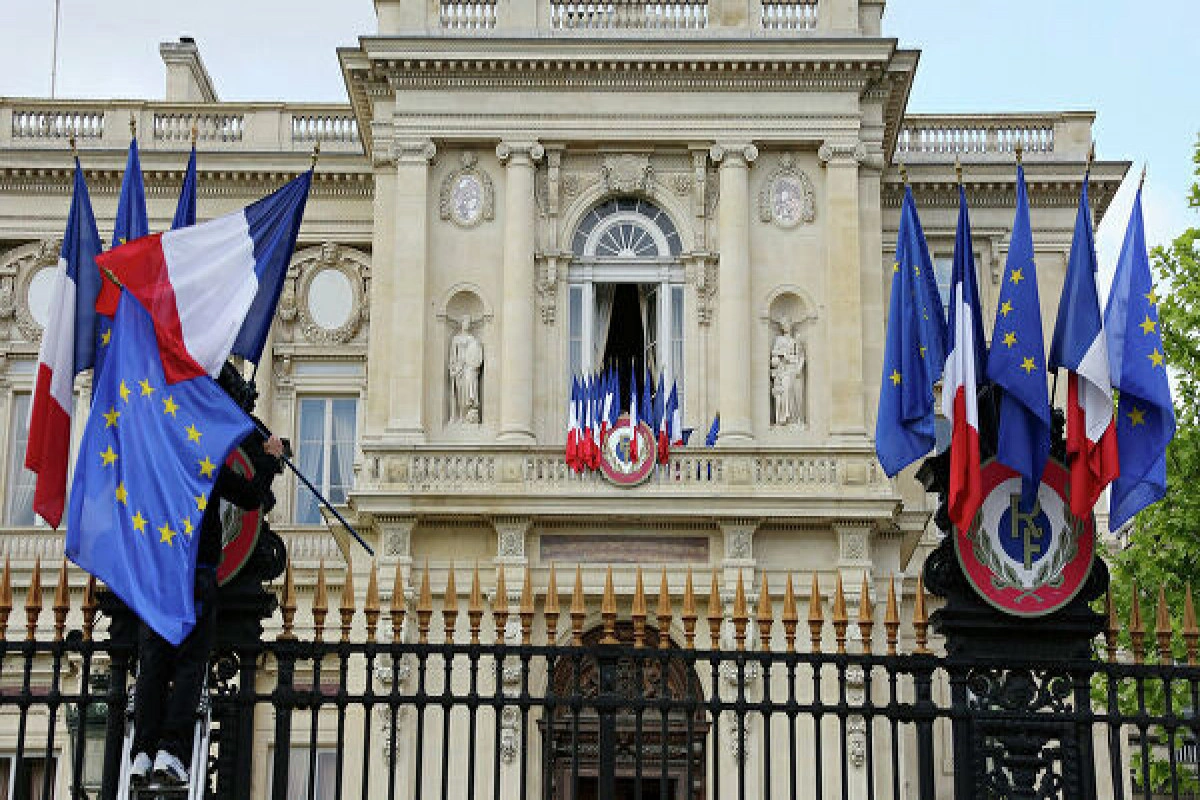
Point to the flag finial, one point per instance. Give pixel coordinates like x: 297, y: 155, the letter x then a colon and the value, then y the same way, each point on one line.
x: 132, y: 126
x: 195, y: 130
x: 1019, y: 150
x: 316, y: 155
x: 904, y: 173
x: 1142, y: 180
x: 1091, y: 159
x: 74, y: 148
x: 958, y: 170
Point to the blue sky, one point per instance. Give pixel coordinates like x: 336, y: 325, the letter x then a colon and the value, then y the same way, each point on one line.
x: 1133, y: 63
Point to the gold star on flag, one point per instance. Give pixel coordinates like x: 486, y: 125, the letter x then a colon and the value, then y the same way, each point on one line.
x: 166, y: 534
x: 1010, y: 338
x: 124, y: 390
x: 1006, y: 308
x: 193, y: 434
x: 1028, y: 365
x: 1147, y: 325
x: 1152, y: 296
x: 105, y: 338
x: 1016, y: 276
x: 916, y: 270
x: 1136, y: 416
x: 201, y: 502
x: 896, y: 267
x: 108, y: 457
x: 923, y: 349
x: 895, y: 376
x: 1156, y: 358
x: 122, y: 495
x: 169, y: 406
x: 206, y: 467
x: 187, y: 526
x: 110, y: 417
x: 139, y: 522
x: 147, y: 389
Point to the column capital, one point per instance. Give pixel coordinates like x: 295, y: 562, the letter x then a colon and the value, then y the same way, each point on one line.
x: 733, y: 154
x: 842, y: 152
x: 513, y: 153
x: 414, y: 151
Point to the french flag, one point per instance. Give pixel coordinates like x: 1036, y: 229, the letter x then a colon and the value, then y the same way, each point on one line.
x: 572, y: 454
x: 68, y: 347
x: 676, y: 415
x: 633, y: 415
x: 1080, y: 346
x: 211, y: 288
x: 964, y: 365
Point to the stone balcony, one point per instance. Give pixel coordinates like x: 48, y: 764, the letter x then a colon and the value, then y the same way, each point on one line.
x: 939, y: 138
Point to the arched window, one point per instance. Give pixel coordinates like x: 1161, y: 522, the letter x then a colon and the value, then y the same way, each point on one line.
x: 626, y: 293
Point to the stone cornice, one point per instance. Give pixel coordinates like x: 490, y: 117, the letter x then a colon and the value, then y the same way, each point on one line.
x: 166, y: 182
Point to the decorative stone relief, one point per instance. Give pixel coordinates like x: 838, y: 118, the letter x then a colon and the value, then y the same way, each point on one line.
x: 26, y: 278
x: 510, y: 724
x: 467, y: 195
x: 702, y: 273
x: 842, y: 152
x: 328, y: 296
x: 852, y: 541
x: 627, y: 173
x: 787, y: 197
x: 739, y: 539
x: 548, y: 275
x: 712, y: 193
x: 511, y: 533
x: 397, y: 536
x: 681, y: 184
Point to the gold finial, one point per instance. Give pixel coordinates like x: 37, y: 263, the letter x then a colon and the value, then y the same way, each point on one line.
x: 765, y: 613
x: 346, y: 605
x: 90, y: 608
x: 716, y: 614
x: 638, y: 610
x: 550, y: 608
x: 866, y: 614
x: 316, y: 156
x: 1137, y: 631
x: 6, y: 598
x: 1019, y: 150
x: 688, y: 612
x: 371, y: 605
x: 791, y: 618
x: 526, y: 610
x: 1111, y: 626
x: 424, y: 607
x: 608, y: 610
x: 398, y: 604
x: 62, y: 602
x: 132, y: 126
x: 1091, y: 159
x: 741, y: 615
x: 33, y: 601
x: 108, y: 273
x: 1191, y: 634
x: 578, y: 609
x: 903, y: 173
x: 1142, y: 180
x: 891, y: 617
x: 662, y: 614
x: 816, y: 615
x: 475, y: 605
x: 500, y: 605
x: 287, y: 606
x: 320, y: 606
x: 958, y: 170
x: 920, y: 619
x: 841, y: 619
x: 449, y: 606
x: 195, y: 130
x: 1162, y: 627
x: 74, y: 146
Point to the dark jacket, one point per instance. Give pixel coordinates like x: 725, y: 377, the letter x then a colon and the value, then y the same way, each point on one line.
x: 243, y: 493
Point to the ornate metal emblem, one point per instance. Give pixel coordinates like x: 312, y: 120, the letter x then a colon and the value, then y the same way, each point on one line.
x: 616, y: 461
x: 240, y: 528
x: 1026, y: 564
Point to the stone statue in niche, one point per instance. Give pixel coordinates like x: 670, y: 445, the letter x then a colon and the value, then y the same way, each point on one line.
x: 465, y: 365
x: 788, y: 363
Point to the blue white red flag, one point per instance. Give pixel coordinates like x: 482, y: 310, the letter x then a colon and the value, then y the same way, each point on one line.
x: 634, y: 419
x: 676, y: 415
x: 1080, y: 347
x: 572, y: 425
x: 68, y: 347
x: 661, y: 418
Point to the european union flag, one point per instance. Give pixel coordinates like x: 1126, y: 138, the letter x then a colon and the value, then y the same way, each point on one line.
x: 1017, y: 360
x: 914, y: 352
x: 131, y: 220
x: 147, y: 463
x: 185, y: 209
x: 646, y: 407
x: 1145, y: 415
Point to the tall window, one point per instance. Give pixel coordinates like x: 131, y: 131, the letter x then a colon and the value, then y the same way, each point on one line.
x: 19, y: 499
x: 943, y: 270
x: 323, y: 778
x: 24, y: 780
x: 327, y: 428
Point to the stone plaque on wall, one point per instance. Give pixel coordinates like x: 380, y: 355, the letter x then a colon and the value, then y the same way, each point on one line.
x: 624, y: 549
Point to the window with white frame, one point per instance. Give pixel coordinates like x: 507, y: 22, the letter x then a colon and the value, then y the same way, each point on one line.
x: 27, y: 779
x: 326, y: 431
x: 19, y: 496
x: 943, y: 270
x: 324, y: 773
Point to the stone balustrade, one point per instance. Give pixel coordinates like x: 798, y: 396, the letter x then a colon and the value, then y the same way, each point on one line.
x: 468, y: 15
x: 977, y: 137
x: 168, y: 126
x: 793, y: 15
x: 622, y: 14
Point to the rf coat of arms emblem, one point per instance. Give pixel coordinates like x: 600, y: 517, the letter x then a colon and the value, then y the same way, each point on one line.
x: 622, y: 463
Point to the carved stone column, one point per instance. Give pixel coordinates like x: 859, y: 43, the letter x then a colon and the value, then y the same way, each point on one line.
x: 733, y: 301
x: 395, y: 386
x: 517, y: 307
x: 841, y: 160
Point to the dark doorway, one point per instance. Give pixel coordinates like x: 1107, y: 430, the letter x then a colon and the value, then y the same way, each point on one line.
x: 626, y: 343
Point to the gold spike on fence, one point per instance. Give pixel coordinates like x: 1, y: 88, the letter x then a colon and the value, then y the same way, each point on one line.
x: 371, y: 607
x: 662, y: 614
x: 287, y: 607
x: 424, y: 608
x: 578, y: 609
x: 891, y: 618
x: 320, y: 606
x: 816, y: 615
x: 6, y: 599
x: 637, y: 611
x: 688, y: 612
x: 741, y: 614
x: 500, y: 605
x: 608, y: 610
x: 866, y: 614
x: 527, y: 609
x: 449, y: 606
x: 397, y: 605
x: 33, y: 601
x: 716, y: 614
x: 920, y: 620
x: 791, y: 617
x: 841, y: 619
x: 62, y: 602
x: 765, y: 613
x: 550, y: 610
x: 346, y: 604
x: 475, y: 606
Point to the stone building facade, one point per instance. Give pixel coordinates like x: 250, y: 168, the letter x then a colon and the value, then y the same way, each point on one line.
x: 509, y: 184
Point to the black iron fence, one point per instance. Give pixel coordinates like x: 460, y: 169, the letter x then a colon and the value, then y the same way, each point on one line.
x: 528, y: 700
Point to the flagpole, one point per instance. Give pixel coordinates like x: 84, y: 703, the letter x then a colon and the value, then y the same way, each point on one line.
x: 54, y: 50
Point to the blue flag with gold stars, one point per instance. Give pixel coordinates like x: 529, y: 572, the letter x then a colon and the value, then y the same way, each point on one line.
x: 1017, y: 360
x: 147, y: 463
x: 1145, y: 415
x: 914, y: 352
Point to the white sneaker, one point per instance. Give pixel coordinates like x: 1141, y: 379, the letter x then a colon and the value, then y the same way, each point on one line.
x: 168, y: 769
x: 140, y: 771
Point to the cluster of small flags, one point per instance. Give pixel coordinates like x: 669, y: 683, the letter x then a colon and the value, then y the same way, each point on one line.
x: 594, y: 409
x: 1120, y: 348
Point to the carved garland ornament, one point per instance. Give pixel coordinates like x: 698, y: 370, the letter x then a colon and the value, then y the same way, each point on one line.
x: 331, y: 257
x: 16, y: 302
x: 787, y: 197
x: 468, y: 196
